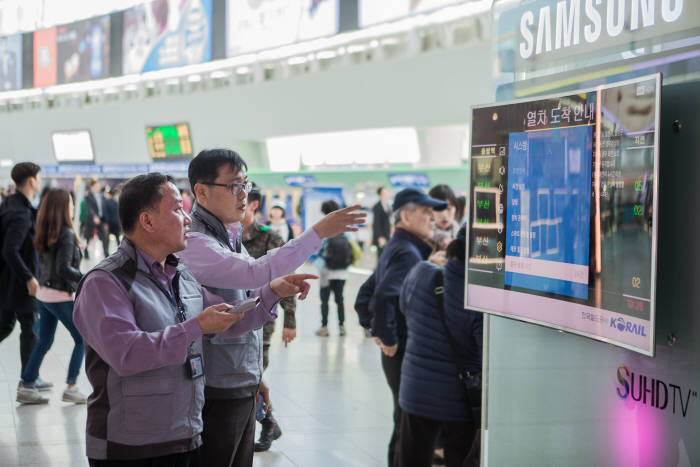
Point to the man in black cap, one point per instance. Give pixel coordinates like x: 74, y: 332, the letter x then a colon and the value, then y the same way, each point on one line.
x: 377, y: 301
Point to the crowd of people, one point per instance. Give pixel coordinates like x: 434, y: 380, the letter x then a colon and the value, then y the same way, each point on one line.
x: 195, y: 284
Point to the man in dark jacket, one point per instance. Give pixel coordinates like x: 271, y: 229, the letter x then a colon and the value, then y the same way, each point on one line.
x: 111, y: 214
x: 381, y: 225
x: 95, y: 204
x: 19, y: 262
x: 377, y: 301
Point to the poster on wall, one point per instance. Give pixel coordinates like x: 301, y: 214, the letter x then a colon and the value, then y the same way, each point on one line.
x: 258, y: 25
x: 10, y: 62
x: 83, y: 50
x: 563, y: 211
x: 45, y: 67
x: 375, y: 12
x: 165, y: 34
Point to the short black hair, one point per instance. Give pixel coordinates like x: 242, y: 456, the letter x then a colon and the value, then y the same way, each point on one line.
x: 444, y: 193
x: 205, y: 167
x: 254, y: 194
x: 379, y: 190
x: 456, y: 250
x: 24, y: 170
x: 329, y: 206
x: 140, y: 193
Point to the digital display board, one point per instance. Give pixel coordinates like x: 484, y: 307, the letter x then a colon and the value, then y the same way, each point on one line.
x: 169, y: 142
x: 563, y: 211
x: 11, y: 62
x: 73, y: 146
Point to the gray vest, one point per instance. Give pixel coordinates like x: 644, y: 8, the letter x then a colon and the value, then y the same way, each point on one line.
x: 155, y: 412
x: 233, y: 366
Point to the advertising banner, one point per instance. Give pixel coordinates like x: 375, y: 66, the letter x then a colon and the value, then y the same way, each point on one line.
x: 165, y: 34
x: 375, y: 12
x: 45, y: 67
x: 83, y: 50
x: 10, y: 62
x: 258, y: 25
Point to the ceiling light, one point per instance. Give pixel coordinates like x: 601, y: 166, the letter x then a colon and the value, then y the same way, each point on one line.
x: 194, y: 78
x: 325, y: 55
x: 219, y: 74
x: 296, y: 60
x: 243, y: 70
x: 356, y: 48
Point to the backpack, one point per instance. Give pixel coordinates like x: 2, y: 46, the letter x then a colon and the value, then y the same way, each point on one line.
x: 338, y: 252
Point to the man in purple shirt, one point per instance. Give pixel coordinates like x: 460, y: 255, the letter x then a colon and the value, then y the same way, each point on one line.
x: 140, y: 314
x: 217, y: 260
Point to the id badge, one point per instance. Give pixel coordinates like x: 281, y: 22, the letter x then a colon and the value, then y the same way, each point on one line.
x: 195, y: 367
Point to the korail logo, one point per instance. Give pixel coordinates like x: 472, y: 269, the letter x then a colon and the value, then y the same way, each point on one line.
x: 623, y: 325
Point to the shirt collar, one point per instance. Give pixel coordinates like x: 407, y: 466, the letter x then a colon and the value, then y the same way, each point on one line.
x: 171, y: 264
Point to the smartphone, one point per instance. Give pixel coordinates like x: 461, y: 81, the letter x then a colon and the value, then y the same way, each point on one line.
x: 245, y: 305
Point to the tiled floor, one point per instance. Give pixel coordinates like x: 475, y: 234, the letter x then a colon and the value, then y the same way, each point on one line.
x: 329, y: 395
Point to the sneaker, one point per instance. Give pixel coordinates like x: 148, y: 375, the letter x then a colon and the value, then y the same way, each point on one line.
x: 30, y: 396
x: 341, y: 331
x: 42, y: 385
x: 74, y: 395
x: 322, y: 331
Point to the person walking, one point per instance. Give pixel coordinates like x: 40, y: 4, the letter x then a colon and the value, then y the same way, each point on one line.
x: 258, y: 239
x: 111, y: 214
x: 381, y: 225
x: 59, y: 274
x: 334, y: 259
x: 377, y: 302
x: 95, y: 219
x: 19, y: 260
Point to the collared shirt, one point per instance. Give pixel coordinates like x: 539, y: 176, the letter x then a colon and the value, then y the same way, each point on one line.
x: 214, y: 265
x: 104, y: 315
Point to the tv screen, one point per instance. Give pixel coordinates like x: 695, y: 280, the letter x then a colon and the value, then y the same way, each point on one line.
x: 169, y: 142
x: 563, y: 211
x: 73, y: 146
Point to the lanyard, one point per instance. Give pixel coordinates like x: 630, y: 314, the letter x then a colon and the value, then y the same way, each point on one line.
x: 175, y: 301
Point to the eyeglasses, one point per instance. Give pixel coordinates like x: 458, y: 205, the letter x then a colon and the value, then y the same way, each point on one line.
x: 234, y: 188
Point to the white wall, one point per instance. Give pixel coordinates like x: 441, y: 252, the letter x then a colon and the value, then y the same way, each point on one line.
x: 430, y: 89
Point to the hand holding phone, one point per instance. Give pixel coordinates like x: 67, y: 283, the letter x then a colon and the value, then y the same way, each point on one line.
x: 244, y: 306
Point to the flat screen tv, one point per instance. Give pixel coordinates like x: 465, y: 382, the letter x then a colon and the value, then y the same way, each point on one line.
x: 169, y: 142
x: 73, y: 146
x: 563, y: 211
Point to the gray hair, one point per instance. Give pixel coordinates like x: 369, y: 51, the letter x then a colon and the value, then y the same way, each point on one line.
x: 410, y: 207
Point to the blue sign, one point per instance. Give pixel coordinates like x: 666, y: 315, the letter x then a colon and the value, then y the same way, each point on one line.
x: 416, y: 179
x: 299, y: 180
x: 179, y: 168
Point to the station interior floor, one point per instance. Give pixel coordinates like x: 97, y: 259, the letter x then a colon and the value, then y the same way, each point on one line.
x: 329, y: 396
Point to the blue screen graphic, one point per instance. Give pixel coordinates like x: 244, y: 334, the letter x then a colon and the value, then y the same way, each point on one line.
x: 548, y: 216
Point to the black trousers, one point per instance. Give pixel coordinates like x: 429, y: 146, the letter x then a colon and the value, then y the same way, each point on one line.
x: 24, y: 313
x: 183, y: 459
x: 417, y: 441
x: 229, y: 432
x: 103, y: 235
x: 336, y: 286
x: 392, y: 373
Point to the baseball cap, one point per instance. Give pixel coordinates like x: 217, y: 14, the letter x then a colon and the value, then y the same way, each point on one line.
x: 277, y: 203
x: 414, y: 195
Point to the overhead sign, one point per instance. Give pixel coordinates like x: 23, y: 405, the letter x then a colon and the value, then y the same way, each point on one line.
x: 550, y: 29
x: 83, y: 50
x: 10, y: 62
x: 45, y: 67
x: 381, y: 11
x: 417, y: 179
x: 165, y: 34
x: 259, y: 25
x: 299, y: 180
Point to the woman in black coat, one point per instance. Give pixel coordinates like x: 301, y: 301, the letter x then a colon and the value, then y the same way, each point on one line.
x: 432, y: 398
x: 59, y: 274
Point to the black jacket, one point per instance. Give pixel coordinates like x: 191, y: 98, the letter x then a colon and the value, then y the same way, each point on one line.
x: 59, y: 265
x: 93, y: 210
x: 377, y: 303
x: 111, y: 214
x: 19, y: 259
x: 381, y: 225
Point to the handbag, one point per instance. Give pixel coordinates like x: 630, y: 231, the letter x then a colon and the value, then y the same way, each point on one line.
x: 471, y: 381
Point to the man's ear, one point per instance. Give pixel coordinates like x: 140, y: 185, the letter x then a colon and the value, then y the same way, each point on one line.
x: 200, y: 192
x: 146, y: 220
